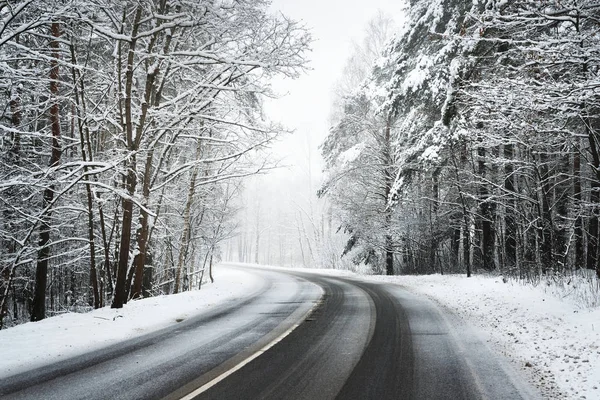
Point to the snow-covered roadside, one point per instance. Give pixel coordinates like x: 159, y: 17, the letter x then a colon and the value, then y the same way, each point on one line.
x: 41, y: 343
x: 554, y: 342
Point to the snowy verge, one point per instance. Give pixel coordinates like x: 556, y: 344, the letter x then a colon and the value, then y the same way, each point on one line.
x: 36, y: 344
x: 554, y: 342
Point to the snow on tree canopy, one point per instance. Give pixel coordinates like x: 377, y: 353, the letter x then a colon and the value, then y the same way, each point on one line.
x: 418, y: 75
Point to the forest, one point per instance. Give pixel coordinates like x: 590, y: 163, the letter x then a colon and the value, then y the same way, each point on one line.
x: 127, y: 130
x: 470, y: 141
x: 464, y: 140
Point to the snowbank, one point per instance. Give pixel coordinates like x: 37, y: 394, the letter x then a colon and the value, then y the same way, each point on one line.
x: 41, y: 343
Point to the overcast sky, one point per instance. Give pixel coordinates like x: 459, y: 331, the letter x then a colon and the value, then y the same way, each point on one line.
x: 334, y: 24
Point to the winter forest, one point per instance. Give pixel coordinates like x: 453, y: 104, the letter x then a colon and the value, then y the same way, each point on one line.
x: 127, y: 128
x: 471, y: 144
x: 465, y: 139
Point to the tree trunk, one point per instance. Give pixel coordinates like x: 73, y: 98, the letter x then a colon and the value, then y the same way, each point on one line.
x: 593, y: 228
x: 455, y: 244
x: 577, y: 198
x: 131, y: 181
x: 389, y: 255
x: 593, y: 232
x: 38, y: 310
x: 183, y: 243
x: 466, y: 239
x: 388, y: 181
x: 142, y: 237
x: 85, y: 155
x: 150, y: 98
x: 433, y: 211
x: 148, y: 275
x: 7, y: 273
x: 467, y: 247
x: 547, y: 225
x: 485, y: 217
x: 16, y: 117
x: 510, y: 228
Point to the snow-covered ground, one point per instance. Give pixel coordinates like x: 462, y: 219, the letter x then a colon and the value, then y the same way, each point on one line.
x: 41, y: 343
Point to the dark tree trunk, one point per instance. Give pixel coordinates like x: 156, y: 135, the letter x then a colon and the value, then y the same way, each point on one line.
x: 15, y: 109
x: 433, y: 240
x: 38, y: 309
x: 547, y: 226
x: 86, y: 156
x: 485, y: 217
x: 467, y: 248
x: 130, y: 274
x: 593, y: 233
x: 561, y: 194
x: 148, y: 272
x: 455, y: 244
x: 142, y: 238
x: 465, y: 211
x: 106, y: 248
x: 388, y: 180
x: 578, y: 228
x: 6, y: 272
x: 389, y: 256
x: 510, y: 225
x: 120, y: 297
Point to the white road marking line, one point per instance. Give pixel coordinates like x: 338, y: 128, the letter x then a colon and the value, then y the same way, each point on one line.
x: 229, y: 372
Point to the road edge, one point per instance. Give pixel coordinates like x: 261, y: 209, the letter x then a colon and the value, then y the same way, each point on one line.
x: 230, y: 366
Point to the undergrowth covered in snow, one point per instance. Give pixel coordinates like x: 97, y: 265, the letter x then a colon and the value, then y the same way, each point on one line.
x: 580, y: 288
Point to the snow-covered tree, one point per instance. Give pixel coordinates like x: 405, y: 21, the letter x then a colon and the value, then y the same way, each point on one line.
x: 493, y: 108
x: 159, y: 107
x: 359, y: 154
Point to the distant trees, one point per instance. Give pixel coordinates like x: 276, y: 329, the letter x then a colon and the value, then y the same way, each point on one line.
x: 494, y: 108
x: 124, y: 126
x: 360, y: 157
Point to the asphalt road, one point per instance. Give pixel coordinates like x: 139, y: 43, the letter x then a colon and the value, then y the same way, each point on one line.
x: 349, y: 340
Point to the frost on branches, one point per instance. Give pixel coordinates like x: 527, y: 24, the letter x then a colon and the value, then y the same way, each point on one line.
x: 127, y: 128
x: 493, y: 110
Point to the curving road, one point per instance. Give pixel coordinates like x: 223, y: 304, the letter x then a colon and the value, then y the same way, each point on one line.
x: 301, y: 336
